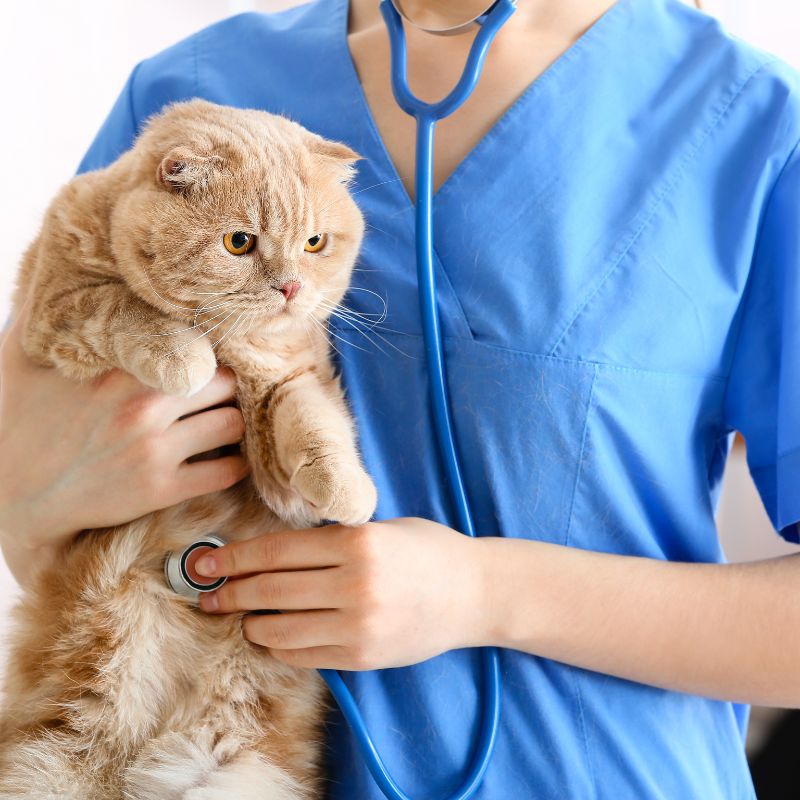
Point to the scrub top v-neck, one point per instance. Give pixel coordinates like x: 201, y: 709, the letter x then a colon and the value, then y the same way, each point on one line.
x: 618, y: 264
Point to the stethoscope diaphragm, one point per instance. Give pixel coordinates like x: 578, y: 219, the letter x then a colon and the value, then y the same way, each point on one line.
x: 180, y: 572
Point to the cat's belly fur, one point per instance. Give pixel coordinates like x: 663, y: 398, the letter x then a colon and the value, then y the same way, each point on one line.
x: 117, y: 676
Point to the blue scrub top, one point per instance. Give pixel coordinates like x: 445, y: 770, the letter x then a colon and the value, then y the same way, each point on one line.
x: 619, y: 277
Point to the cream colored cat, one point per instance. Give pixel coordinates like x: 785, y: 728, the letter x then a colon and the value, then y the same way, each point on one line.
x: 220, y: 226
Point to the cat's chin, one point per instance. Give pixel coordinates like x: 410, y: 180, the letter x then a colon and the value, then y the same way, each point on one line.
x: 279, y: 323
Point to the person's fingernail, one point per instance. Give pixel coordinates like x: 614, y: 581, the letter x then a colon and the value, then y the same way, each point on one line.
x: 209, y: 602
x: 206, y: 565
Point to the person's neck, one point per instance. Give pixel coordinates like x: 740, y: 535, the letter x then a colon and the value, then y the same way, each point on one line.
x: 556, y: 18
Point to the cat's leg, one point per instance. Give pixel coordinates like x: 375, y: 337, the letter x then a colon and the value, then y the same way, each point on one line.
x: 90, y: 329
x: 177, y: 767
x: 299, y: 435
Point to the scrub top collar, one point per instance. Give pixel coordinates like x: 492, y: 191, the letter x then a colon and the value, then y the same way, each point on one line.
x: 566, y: 73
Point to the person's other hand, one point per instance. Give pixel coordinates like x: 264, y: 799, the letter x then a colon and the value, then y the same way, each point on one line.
x: 384, y: 594
x: 76, y: 456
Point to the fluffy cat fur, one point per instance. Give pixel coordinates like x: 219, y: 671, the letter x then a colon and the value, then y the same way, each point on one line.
x: 115, y: 686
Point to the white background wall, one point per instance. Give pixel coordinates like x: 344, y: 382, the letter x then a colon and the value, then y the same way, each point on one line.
x: 63, y: 63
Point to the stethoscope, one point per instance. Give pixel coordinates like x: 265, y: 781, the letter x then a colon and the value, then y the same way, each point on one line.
x: 179, y: 566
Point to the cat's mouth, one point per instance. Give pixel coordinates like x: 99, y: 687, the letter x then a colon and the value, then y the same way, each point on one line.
x: 270, y: 313
x: 268, y: 308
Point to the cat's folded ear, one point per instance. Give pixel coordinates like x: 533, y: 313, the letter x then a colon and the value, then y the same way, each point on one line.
x: 334, y: 154
x: 184, y: 170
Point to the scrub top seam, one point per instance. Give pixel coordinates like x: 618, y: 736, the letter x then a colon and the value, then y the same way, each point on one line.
x: 510, y: 353
x: 548, y: 75
x: 464, y: 320
x: 668, y: 186
x: 581, y: 453
x: 576, y: 681
x: 573, y: 671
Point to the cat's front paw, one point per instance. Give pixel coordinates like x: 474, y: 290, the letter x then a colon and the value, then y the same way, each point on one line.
x: 180, y: 364
x: 336, y: 489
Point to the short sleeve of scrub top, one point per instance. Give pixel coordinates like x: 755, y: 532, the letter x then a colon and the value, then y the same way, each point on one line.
x: 617, y: 265
x: 764, y: 385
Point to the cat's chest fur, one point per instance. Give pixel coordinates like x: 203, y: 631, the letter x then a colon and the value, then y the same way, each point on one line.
x: 148, y: 662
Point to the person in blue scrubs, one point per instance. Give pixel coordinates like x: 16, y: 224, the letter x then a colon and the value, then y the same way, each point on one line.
x: 618, y: 261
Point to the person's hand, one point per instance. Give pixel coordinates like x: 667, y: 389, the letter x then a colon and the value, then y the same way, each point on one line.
x: 384, y: 594
x: 76, y: 456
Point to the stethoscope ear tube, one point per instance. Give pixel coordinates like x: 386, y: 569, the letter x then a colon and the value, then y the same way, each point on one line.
x: 426, y: 115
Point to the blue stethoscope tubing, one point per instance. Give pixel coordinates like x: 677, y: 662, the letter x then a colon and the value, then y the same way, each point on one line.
x: 427, y: 115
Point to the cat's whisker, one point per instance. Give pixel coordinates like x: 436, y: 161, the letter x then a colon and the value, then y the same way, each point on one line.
x: 199, y: 312
x: 375, y: 185
x: 324, y: 208
x: 242, y: 314
x: 327, y: 332
x: 172, y: 333
x: 336, y: 312
x: 355, y: 325
x: 363, y: 313
x: 333, y: 333
x: 308, y: 332
x: 204, y: 309
x: 360, y: 289
x: 356, y: 328
x: 365, y: 316
x: 376, y: 228
x: 362, y: 319
x: 172, y: 302
x: 205, y: 333
x: 163, y: 299
x: 384, y: 313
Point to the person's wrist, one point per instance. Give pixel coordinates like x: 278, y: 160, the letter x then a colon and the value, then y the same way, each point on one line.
x: 24, y: 554
x: 504, y: 610
x: 478, y: 601
x: 24, y: 531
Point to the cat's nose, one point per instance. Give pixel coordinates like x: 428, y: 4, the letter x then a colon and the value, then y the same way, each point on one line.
x: 290, y: 289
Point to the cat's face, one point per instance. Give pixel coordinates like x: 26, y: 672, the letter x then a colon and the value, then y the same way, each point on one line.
x: 249, y: 221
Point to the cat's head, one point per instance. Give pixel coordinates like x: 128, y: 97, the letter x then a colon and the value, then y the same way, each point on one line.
x: 238, y: 213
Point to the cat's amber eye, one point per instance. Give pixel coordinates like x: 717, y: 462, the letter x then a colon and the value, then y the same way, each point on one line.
x: 238, y: 243
x: 316, y: 243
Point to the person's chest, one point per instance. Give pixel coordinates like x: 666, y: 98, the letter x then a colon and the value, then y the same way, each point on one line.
x: 516, y: 60
x: 586, y: 223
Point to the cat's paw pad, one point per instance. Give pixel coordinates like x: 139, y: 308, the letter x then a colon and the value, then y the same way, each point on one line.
x: 177, y: 367
x: 336, y: 490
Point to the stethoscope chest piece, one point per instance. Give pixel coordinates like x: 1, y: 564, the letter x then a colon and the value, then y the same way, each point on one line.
x: 180, y: 572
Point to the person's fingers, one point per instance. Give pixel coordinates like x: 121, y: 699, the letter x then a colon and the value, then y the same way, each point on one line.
x: 300, y: 590
x: 204, y: 477
x: 294, y: 629
x: 206, y: 431
x: 325, y: 657
x: 220, y: 389
x: 282, y: 550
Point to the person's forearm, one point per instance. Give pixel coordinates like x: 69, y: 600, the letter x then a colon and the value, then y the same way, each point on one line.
x: 727, y: 631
